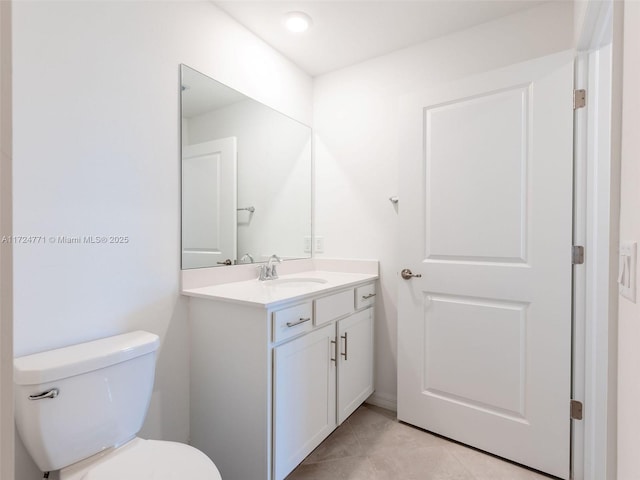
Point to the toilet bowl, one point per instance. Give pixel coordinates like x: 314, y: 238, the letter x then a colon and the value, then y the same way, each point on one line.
x: 145, y: 459
x: 79, y: 408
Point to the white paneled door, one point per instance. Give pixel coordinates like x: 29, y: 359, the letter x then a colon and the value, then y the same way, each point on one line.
x: 209, y: 216
x: 484, y: 328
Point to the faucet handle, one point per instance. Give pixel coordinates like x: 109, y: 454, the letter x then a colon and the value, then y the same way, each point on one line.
x: 271, y: 266
x: 264, y: 272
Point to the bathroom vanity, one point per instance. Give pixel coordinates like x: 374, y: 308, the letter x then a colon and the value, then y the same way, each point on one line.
x: 276, y: 366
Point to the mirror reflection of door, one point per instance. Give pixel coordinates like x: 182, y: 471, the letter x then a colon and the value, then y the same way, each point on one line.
x: 272, y: 180
x: 209, y: 203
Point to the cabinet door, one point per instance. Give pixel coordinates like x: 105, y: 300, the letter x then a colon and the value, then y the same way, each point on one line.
x: 304, y: 407
x: 355, y: 362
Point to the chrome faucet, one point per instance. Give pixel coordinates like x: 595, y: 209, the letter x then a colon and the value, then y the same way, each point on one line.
x: 271, y: 268
x: 268, y: 271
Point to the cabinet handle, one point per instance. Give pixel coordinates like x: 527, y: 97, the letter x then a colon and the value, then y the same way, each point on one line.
x: 367, y: 297
x: 302, y: 320
x: 335, y: 350
x: 345, y: 345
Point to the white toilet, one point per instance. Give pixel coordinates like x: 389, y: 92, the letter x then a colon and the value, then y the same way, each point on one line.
x: 79, y: 408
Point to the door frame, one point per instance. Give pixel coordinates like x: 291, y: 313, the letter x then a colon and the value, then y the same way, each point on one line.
x: 596, y: 225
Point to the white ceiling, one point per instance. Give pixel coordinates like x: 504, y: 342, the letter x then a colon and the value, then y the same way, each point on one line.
x: 348, y: 32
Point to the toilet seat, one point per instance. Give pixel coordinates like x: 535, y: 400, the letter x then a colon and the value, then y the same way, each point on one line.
x: 145, y: 459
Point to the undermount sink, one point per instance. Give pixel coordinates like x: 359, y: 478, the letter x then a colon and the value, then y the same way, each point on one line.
x: 295, y: 282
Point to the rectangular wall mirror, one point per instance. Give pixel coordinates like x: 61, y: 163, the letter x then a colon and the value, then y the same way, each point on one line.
x: 246, y: 177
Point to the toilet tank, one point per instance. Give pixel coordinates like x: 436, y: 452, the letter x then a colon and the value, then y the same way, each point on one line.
x: 97, y: 396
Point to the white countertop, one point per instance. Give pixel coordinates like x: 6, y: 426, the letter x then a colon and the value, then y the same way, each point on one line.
x: 267, y: 293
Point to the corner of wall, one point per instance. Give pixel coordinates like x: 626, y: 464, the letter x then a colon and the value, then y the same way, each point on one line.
x: 6, y: 251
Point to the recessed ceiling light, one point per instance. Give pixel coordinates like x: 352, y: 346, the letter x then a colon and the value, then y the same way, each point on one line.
x: 297, y: 22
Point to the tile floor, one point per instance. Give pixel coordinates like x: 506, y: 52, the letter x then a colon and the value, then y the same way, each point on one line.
x: 373, y: 445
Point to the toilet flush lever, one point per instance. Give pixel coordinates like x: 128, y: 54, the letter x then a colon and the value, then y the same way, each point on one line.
x: 53, y: 393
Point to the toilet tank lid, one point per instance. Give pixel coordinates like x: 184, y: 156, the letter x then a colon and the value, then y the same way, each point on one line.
x: 73, y: 360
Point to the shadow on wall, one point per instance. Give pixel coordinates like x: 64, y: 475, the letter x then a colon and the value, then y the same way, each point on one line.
x: 168, y: 415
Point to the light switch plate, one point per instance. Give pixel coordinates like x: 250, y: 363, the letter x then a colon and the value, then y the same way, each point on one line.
x: 319, y: 245
x: 307, y: 244
x: 627, y: 270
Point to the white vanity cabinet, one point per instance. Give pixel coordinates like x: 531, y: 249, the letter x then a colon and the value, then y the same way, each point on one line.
x: 270, y: 382
x: 355, y: 362
x: 304, y: 397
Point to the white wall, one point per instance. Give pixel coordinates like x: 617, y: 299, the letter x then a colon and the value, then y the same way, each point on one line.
x: 629, y: 313
x: 97, y: 150
x: 6, y: 283
x: 355, y: 121
x: 580, y: 10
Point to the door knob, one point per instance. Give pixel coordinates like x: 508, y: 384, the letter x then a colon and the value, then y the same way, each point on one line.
x: 407, y: 274
x: 226, y: 262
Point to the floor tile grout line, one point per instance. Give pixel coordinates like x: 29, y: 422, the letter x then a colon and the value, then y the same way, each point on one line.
x: 459, y: 460
x: 375, y: 425
x: 350, y: 429
x: 355, y: 434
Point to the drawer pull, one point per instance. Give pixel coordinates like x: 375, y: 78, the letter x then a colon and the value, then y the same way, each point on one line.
x: 367, y: 297
x: 335, y: 350
x: 346, y: 339
x: 302, y: 320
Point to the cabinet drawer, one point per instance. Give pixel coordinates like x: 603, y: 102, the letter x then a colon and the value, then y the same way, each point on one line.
x: 365, y: 295
x: 333, y: 306
x: 291, y: 321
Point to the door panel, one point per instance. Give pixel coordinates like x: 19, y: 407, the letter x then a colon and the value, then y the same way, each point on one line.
x: 474, y: 353
x: 355, y: 362
x: 209, y: 203
x: 304, y: 409
x: 476, y: 161
x: 484, y: 335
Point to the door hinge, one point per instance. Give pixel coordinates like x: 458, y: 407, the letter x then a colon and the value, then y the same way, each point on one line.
x: 577, y: 254
x: 579, y: 99
x: 576, y: 410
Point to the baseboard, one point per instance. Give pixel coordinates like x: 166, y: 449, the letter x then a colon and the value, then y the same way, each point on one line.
x: 383, y: 401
